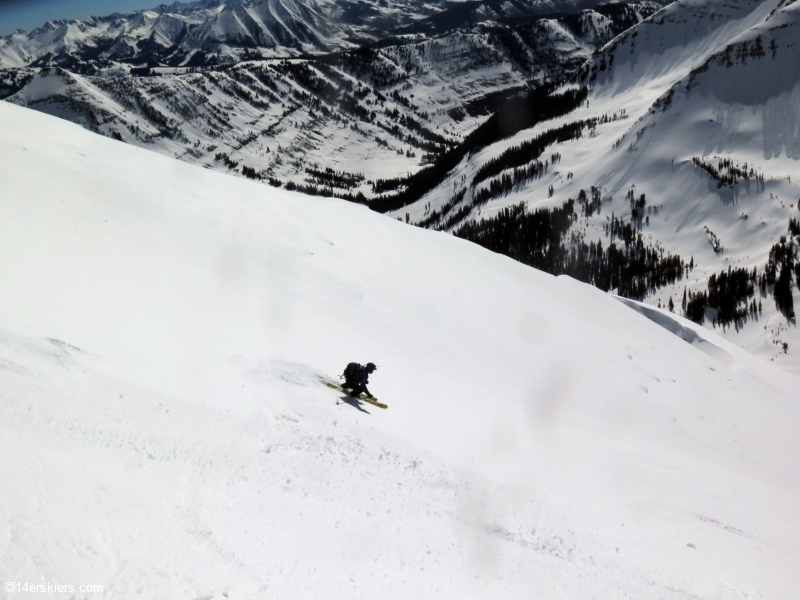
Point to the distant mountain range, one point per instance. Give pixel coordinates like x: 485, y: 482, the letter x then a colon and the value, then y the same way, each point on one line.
x: 333, y: 123
x: 209, y: 32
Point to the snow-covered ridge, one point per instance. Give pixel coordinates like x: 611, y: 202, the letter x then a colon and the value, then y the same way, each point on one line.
x: 695, y: 109
x: 161, y: 331
x: 177, y: 33
x: 225, y: 31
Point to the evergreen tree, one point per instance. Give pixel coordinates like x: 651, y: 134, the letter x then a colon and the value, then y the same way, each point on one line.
x: 783, y: 292
x: 696, y: 307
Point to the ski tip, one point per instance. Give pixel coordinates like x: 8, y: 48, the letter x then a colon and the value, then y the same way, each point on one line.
x: 374, y: 402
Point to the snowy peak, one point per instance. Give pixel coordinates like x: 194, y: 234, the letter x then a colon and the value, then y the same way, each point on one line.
x: 144, y: 36
x: 672, y: 41
x: 267, y: 24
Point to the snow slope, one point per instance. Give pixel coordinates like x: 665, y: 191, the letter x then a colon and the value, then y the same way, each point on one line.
x: 710, y: 80
x: 162, y: 328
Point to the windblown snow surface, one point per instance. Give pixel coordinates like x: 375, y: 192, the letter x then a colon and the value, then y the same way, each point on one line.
x: 163, y: 432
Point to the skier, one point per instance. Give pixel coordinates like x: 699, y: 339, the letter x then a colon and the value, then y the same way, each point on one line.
x: 357, y: 378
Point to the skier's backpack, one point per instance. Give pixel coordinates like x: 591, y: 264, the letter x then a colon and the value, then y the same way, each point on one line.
x: 350, y: 370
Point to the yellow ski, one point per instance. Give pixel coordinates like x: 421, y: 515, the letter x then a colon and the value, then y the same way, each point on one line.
x: 362, y: 397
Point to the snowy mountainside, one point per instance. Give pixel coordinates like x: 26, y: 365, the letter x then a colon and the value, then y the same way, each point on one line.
x: 161, y: 331
x: 335, y: 123
x: 686, y: 139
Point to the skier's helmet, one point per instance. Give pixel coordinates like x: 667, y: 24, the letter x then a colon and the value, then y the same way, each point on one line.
x: 371, y: 367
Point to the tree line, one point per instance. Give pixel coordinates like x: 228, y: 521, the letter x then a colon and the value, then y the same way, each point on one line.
x: 515, y: 115
x: 727, y: 173
x: 538, y: 239
x: 526, y: 152
x: 731, y: 294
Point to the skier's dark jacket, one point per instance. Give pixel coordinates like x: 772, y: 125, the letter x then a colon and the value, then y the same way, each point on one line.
x: 360, y: 378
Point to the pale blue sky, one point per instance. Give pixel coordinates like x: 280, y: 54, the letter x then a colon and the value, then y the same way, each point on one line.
x: 27, y: 14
